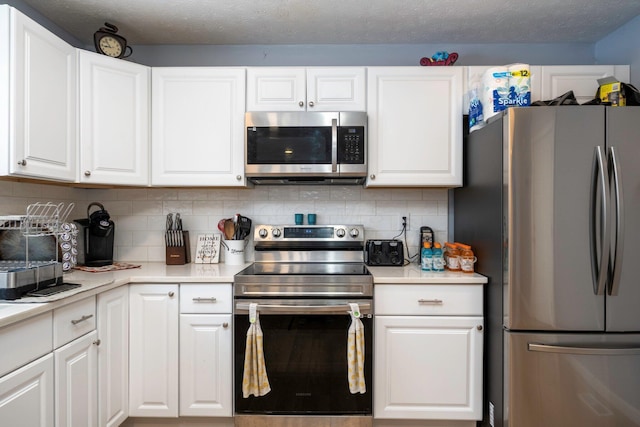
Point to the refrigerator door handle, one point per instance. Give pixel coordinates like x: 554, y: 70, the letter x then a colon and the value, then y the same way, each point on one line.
x: 616, y: 256
x: 588, y: 351
x: 600, y: 269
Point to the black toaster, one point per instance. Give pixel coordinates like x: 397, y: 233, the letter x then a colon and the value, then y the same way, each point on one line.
x: 384, y: 253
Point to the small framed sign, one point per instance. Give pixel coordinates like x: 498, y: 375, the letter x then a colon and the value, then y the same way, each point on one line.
x: 208, y: 249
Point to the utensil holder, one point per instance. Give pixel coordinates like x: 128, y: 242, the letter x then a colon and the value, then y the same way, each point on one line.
x: 179, y: 255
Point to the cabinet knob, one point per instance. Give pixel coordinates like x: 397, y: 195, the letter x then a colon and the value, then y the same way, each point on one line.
x: 87, y: 173
x: 97, y: 342
x: 479, y: 327
x: 22, y: 162
x: 171, y: 294
x: 225, y: 325
x: 310, y: 103
x: 238, y: 177
x: 372, y: 176
x: 301, y: 104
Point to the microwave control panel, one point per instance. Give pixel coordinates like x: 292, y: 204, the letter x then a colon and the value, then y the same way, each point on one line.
x: 351, y: 145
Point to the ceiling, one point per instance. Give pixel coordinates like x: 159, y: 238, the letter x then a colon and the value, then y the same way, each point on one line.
x: 224, y: 22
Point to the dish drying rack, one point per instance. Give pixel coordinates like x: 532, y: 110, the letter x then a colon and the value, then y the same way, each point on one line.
x: 19, y: 276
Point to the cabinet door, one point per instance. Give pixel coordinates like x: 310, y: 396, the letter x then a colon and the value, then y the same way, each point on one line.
x: 198, y: 126
x: 76, y: 382
x: 428, y: 367
x: 276, y: 89
x: 43, y: 107
x: 336, y: 89
x: 415, y: 126
x: 114, y: 121
x: 26, y: 395
x: 581, y: 79
x: 153, y: 350
x: 205, y: 365
x: 113, y: 357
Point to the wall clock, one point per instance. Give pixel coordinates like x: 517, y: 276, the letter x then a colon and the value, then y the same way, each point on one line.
x: 109, y: 43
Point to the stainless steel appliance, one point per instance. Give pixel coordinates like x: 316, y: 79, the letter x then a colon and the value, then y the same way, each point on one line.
x: 29, y: 255
x: 306, y: 147
x: 302, y: 281
x: 556, y: 231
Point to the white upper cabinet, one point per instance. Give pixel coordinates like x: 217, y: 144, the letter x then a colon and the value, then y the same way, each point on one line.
x: 38, y: 97
x: 415, y: 126
x: 114, y: 119
x: 581, y: 79
x: 306, y: 89
x: 197, y: 133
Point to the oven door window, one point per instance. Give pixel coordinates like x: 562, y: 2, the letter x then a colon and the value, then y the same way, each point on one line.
x: 289, y: 145
x: 306, y: 362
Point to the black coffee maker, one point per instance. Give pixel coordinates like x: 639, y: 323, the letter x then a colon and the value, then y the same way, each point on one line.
x: 95, y: 240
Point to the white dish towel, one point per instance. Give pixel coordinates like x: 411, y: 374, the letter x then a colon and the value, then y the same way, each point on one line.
x: 254, y: 378
x: 355, y: 352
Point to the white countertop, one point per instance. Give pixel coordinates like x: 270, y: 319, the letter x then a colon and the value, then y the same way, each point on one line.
x: 412, y: 274
x: 95, y: 283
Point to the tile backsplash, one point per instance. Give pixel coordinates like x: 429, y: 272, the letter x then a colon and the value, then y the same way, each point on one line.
x: 140, y: 213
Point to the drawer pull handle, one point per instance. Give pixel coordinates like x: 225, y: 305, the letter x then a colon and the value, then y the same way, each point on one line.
x: 430, y: 301
x: 82, y: 319
x: 201, y: 299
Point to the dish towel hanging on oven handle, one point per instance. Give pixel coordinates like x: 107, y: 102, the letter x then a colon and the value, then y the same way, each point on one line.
x: 254, y: 378
x: 355, y: 352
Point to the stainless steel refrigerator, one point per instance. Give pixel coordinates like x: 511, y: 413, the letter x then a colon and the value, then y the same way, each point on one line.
x: 551, y: 206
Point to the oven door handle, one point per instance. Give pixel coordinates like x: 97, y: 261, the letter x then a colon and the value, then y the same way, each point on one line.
x: 338, y: 308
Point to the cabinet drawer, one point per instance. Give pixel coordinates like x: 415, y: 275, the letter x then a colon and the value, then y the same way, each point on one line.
x: 73, y: 321
x: 429, y: 300
x: 27, y: 340
x: 206, y: 298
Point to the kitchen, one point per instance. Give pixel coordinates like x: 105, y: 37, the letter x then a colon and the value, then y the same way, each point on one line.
x: 138, y: 211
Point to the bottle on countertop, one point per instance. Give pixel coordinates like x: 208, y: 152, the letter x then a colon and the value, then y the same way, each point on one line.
x: 438, y: 258
x: 426, y: 257
x: 452, y: 257
x: 467, y: 258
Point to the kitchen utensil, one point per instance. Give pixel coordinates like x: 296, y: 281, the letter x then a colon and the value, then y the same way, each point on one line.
x: 229, y: 229
x: 244, y: 225
x: 221, y: 225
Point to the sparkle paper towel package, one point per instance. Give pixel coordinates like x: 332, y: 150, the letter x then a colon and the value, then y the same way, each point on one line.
x: 519, y: 85
x: 495, y: 82
x: 508, y: 86
x: 476, y: 113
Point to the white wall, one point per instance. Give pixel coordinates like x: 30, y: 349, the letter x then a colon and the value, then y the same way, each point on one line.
x: 140, y: 214
x: 622, y: 47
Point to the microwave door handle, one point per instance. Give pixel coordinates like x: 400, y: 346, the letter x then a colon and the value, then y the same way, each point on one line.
x: 334, y: 145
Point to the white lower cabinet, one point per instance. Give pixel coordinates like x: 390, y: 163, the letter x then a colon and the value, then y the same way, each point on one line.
x: 153, y: 350
x: 26, y: 395
x: 76, y: 382
x: 206, y: 381
x: 113, y: 357
x: 428, y: 347
x: 205, y: 365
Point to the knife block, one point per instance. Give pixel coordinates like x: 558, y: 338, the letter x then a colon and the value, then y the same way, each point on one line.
x: 179, y: 255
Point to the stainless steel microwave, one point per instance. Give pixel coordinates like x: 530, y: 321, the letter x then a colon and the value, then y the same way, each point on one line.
x: 306, y: 147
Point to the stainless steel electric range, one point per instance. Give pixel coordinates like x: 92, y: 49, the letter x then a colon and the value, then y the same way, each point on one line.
x: 303, y: 280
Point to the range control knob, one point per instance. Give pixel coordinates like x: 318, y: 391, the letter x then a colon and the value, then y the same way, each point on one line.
x: 276, y: 232
x: 263, y: 233
x: 340, y: 232
x: 354, y: 233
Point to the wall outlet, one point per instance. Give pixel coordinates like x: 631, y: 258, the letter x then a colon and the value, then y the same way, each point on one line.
x: 404, y: 219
